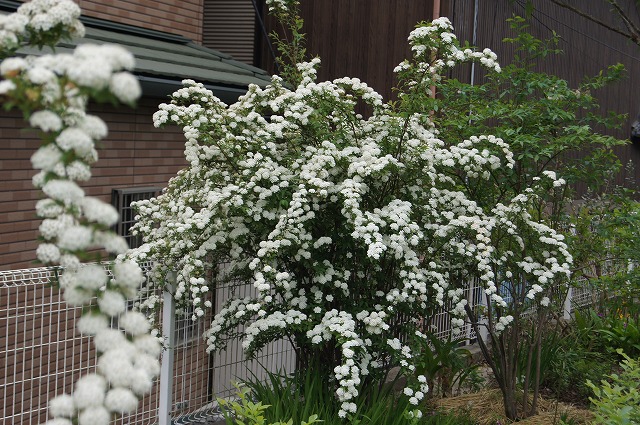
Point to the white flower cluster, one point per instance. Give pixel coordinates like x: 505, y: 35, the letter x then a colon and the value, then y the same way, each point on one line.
x: 54, y: 89
x: 344, y: 224
x: 67, y: 78
x: 39, y: 16
x: 281, y: 6
x: 437, y: 38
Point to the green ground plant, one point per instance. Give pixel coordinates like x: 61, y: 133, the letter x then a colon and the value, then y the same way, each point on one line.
x: 243, y: 411
x: 617, y: 398
x: 579, y: 355
x: 297, y: 395
x: 448, y: 366
x: 588, y: 351
x: 606, y: 246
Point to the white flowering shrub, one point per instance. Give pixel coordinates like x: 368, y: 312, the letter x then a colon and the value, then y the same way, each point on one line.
x: 350, y: 229
x: 52, y: 91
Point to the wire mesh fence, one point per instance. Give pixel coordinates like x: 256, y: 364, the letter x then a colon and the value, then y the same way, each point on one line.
x: 41, y: 355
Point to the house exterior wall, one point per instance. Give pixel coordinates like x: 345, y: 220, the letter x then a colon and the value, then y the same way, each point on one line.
x: 134, y: 154
x: 176, y: 17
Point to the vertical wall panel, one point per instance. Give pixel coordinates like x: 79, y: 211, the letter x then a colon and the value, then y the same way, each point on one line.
x: 586, y: 48
x: 229, y: 26
x: 359, y: 38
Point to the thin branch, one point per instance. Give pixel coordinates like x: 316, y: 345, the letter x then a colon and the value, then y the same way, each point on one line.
x: 633, y: 29
x: 592, y: 18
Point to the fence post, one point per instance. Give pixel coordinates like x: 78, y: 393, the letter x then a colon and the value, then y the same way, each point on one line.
x: 471, y: 301
x: 566, y: 313
x: 484, y: 322
x: 166, y: 365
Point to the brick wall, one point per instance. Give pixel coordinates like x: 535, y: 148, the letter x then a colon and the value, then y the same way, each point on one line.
x: 177, y: 17
x: 133, y: 154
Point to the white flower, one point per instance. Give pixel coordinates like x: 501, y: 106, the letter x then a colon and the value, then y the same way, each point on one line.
x: 89, y: 391
x: 7, y: 86
x: 46, y: 157
x: 141, y: 382
x: 64, y: 191
x: 75, y: 238
x: 39, y: 179
x: 94, y: 126
x: 75, y: 139
x: 12, y: 65
x: 148, y: 344
x: 46, y: 120
x: 40, y: 75
x: 135, y: 323
x: 111, y: 242
x: 48, y: 253
x: 149, y: 364
x: 58, y: 421
x: 48, y: 208
x: 117, y: 56
x: 107, y: 339
x: 92, y: 277
x: 62, y: 406
x: 92, y: 323
x: 112, y: 303
x: 128, y: 274
x: 76, y: 296
x: 93, y: 72
x: 94, y: 415
x: 125, y: 87
x: 116, y: 365
x: 99, y: 212
x: 121, y: 400
x: 78, y: 171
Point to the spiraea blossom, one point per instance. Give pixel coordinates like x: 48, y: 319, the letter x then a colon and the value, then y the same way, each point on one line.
x: 348, y: 228
x: 53, y: 91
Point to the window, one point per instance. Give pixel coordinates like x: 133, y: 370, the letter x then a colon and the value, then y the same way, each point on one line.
x: 121, y: 199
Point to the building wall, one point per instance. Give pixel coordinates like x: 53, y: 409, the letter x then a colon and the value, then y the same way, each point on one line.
x: 176, y: 17
x: 134, y: 154
x: 358, y: 38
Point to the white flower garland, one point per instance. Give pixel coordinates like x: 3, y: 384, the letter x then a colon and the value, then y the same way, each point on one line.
x: 53, y: 90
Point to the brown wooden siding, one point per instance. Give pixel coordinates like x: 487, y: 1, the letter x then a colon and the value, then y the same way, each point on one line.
x: 229, y: 26
x: 587, y: 49
x: 365, y: 39
x: 133, y: 154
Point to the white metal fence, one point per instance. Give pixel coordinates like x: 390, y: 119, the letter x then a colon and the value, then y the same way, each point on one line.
x: 41, y: 356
